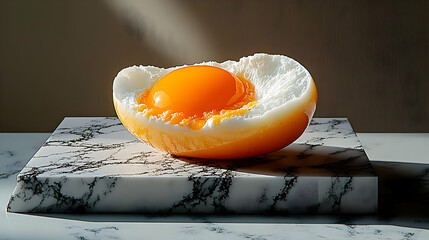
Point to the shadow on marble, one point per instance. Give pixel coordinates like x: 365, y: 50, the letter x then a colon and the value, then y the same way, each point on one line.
x: 297, y: 160
x: 403, y: 189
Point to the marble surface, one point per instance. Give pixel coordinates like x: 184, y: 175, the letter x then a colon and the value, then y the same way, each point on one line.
x: 389, y: 147
x: 403, y: 213
x: 95, y: 165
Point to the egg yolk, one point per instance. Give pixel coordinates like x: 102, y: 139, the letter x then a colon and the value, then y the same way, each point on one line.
x: 191, y: 95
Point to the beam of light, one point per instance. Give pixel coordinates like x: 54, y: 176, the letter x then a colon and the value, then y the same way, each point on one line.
x: 168, y: 28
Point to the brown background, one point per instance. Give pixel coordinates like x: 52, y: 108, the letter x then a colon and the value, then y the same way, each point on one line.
x: 369, y: 58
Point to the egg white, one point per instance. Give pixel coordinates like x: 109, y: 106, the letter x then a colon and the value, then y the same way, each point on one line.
x: 282, y: 86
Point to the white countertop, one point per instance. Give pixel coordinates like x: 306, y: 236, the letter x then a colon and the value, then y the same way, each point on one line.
x: 400, y: 160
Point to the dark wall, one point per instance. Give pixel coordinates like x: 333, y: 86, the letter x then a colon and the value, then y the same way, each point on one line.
x: 370, y: 59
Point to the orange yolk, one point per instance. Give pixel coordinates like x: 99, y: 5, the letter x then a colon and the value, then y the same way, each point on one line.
x: 192, y: 95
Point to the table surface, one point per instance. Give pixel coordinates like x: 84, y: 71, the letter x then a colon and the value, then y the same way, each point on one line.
x: 401, y: 161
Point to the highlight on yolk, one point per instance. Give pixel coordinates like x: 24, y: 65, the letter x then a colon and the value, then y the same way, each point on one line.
x: 191, y: 95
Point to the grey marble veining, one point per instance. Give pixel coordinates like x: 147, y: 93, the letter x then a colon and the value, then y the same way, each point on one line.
x: 95, y: 165
x: 11, y: 150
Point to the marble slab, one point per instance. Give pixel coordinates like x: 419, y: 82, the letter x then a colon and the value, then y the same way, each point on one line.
x: 96, y: 165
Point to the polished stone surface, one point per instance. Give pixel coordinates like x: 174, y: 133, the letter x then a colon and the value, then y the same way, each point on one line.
x: 95, y: 165
x: 403, y: 209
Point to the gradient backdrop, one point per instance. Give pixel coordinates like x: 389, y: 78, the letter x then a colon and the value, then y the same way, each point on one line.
x: 369, y: 58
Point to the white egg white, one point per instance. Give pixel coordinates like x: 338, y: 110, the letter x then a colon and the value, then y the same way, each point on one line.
x: 282, y: 85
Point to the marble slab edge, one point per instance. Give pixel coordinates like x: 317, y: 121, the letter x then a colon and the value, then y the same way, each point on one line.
x: 185, y: 187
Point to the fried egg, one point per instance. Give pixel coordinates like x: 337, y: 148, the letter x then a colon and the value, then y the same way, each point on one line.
x: 234, y: 109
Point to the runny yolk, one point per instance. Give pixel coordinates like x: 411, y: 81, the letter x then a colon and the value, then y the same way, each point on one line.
x: 192, y: 95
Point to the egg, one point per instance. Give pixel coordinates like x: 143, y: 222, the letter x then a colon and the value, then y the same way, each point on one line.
x: 233, y: 109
